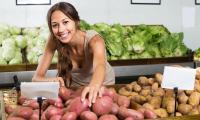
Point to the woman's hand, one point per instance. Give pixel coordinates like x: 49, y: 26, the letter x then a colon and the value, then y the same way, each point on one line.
x: 92, y: 91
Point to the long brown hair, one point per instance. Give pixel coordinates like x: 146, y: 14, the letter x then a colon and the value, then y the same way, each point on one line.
x: 64, y: 64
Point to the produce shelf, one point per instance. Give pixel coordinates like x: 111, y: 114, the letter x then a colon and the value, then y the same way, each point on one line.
x: 11, y: 68
x: 32, y: 67
x: 150, y: 61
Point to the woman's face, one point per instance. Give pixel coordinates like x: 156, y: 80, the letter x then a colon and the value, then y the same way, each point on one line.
x: 62, y: 26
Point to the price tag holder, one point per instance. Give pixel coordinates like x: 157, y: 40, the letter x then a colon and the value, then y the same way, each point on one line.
x: 180, y: 77
x: 33, y: 90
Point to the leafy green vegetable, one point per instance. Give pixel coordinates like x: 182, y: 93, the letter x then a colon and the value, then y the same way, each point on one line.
x: 181, y: 50
x: 14, y: 30
x: 127, y: 44
x: 197, y: 54
x: 33, y: 32
x: 145, y: 54
x: 115, y: 48
x: 21, y: 41
x: 125, y: 56
x: 84, y: 25
x: 17, y: 59
x: 2, y: 62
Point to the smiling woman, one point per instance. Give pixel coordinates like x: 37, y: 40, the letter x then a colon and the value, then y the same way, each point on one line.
x: 81, y: 54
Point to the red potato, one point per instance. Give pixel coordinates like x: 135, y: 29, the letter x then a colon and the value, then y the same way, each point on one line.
x: 56, y: 117
x: 76, y: 93
x: 45, y: 104
x: 77, y: 106
x: 108, y: 117
x: 69, y: 116
x: 31, y: 103
x: 129, y: 118
x: 149, y: 114
x: 125, y: 112
x: 15, y: 118
x: 111, y: 93
x: 65, y: 93
x: 12, y: 115
x: 58, y: 102
x: 9, y: 109
x: 35, y: 105
x: 43, y: 117
x: 51, y: 111
x: 21, y: 100
x: 24, y: 112
x: 142, y: 109
x: 115, y: 109
x: 103, y: 105
x: 51, y: 101
x: 35, y: 115
x: 88, y: 115
x: 123, y: 101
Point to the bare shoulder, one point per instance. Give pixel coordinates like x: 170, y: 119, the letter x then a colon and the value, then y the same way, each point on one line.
x: 96, y: 40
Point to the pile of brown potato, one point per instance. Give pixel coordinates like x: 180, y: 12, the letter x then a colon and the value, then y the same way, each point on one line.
x: 147, y: 93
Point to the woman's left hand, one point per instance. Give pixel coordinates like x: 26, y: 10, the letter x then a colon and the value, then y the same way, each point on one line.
x: 93, y: 91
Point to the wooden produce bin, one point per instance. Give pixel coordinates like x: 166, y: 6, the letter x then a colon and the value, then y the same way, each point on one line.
x: 11, y: 68
x: 32, y: 67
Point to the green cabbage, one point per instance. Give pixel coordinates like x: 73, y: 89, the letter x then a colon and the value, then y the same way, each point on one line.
x: 33, y: 32
x: 17, y: 59
x: 14, y: 30
x: 21, y: 41
x: 2, y: 62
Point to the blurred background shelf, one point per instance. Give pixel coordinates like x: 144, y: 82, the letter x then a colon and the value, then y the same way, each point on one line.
x: 151, y: 61
x: 11, y: 68
x: 32, y: 67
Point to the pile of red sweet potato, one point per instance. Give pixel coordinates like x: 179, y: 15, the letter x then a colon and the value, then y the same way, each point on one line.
x: 111, y: 106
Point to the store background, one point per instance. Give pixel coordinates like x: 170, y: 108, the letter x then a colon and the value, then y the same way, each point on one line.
x: 169, y: 13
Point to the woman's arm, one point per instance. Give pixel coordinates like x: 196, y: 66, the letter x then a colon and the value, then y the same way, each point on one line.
x: 198, y: 72
x: 45, y: 62
x: 97, y: 47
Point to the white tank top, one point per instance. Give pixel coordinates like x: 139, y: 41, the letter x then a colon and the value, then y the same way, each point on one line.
x: 83, y: 75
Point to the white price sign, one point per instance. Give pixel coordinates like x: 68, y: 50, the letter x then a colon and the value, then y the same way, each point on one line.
x: 32, y: 90
x: 180, y: 77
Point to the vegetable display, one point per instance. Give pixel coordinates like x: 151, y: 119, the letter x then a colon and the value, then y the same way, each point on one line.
x: 10, y: 45
x: 16, y: 42
x: 122, y: 42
